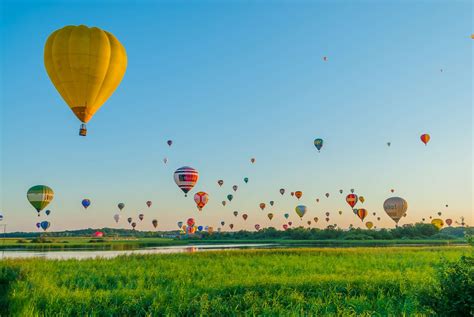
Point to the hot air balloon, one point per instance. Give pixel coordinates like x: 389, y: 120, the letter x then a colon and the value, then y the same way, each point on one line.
x: 327, y: 219
x: 325, y: 58
x: 272, y: 202
x: 378, y: 218
x: 374, y: 213
x: 154, y: 222
x: 231, y: 226
x: 252, y: 160
x: 298, y: 194
x: 449, y: 222
x: 39, y: 197
x: 340, y: 212
x: 116, y: 218
x: 190, y: 222
x: 369, y: 225
x: 395, y: 207
x: 38, y: 225
x: 257, y: 227
x: 300, y: 210
x: 262, y: 206
x: 230, y: 197
x: 1, y: 217
x: 317, y: 200
x: 285, y: 226
x: 148, y: 203
x: 220, y: 182
x: 224, y: 203
x: 287, y: 215
x: 186, y: 177
x: 121, y: 206
x: 351, y: 199
x: 45, y: 225
x: 180, y: 224
x: 86, y: 65
x: 129, y: 219
x: 141, y: 216
x: 308, y: 222
x: 389, y: 143
x: 439, y: 213
x: 352, y: 190
x: 438, y: 223
x: 315, y: 219
x: 222, y: 223
x: 191, y: 230
x: 318, y: 143
x: 355, y: 210
x: 134, y: 224
x: 362, y: 213
x: 245, y: 216
x: 201, y: 199
x: 340, y: 191
x: 282, y: 191
x: 270, y: 216
x: 392, y: 190
x: 236, y: 213
x: 200, y: 228
x: 235, y: 188
x: 169, y: 142
x: 327, y: 195
x: 425, y: 138
x: 47, y: 212
x: 361, y: 199
x: 98, y: 234
x: 246, y: 180
x: 292, y: 193
x: 165, y: 160
x: 86, y: 203
x: 327, y: 214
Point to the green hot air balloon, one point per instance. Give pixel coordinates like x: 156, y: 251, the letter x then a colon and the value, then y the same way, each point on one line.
x: 318, y: 143
x: 246, y: 180
x: 230, y: 197
x: 39, y: 197
x: 300, y: 210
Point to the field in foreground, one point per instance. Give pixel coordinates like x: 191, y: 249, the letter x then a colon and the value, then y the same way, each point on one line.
x: 354, y: 281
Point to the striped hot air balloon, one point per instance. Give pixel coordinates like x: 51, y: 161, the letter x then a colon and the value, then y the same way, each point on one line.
x: 362, y: 213
x: 186, y: 177
x: 40, y: 196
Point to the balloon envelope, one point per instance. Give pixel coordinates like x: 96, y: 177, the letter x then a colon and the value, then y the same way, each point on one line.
x: 318, y: 143
x: 351, y: 199
x: 40, y: 196
x: 300, y: 210
x: 186, y: 177
x: 45, y: 225
x: 298, y: 194
x: 116, y: 218
x: 86, y: 203
x: 438, y: 223
x: 121, y: 206
x: 425, y: 138
x: 201, y: 199
x: 395, y: 207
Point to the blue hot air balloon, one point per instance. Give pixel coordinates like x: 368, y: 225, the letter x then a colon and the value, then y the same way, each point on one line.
x: 45, y: 225
x: 318, y: 143
x: 86, y: 203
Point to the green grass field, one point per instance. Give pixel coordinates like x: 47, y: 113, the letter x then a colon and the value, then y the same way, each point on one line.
x: 305, y: 281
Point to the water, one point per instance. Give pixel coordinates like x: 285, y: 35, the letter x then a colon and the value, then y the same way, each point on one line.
x: 91, y: 254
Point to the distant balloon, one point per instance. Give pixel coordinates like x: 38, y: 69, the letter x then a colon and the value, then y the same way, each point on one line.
x: 38, y: 225
x: 425, y: 138
x: 315, y: 219
x: 438, y: 223
x: 301, y: 210
x: 340, y: 191
x: 318, y: 143
x: 395, y: 207
x: 257, y: 227
x: 317, y: 200
x: 235, y: 188
x: 39, y: 197
x: 252, y: 160
x: 190, y: 222
x: 98, y: 234
x: 272, y: 202
x: 154, y: 222
x: 231, y: 226
x: 141, y: 216
x: 298, y: 194
x: 129, y: 219
x: 449, y: 222
x: 308, y: 222
x: 222, y: 223
x: 180, y: 224
x: 121, y: 206
x: 369, y: 225
x: 439, y: 213
x: 285, y: 227
x: 389, y: 143
x: 362, y: 213
x: 374, y: 213
x: 392, y: 190
x: 169, y: 142
x: 236, y: 213
x: 282, y: 191
x: 86, y: 203
x: 361, y: 199
x: 292, y: 193
x: 340, y: 212
x: 165, y: 160
x: 378, y: 218
x: 246, y: 180
x: 201, y: 199
x: 290, y: 223
x: 325, y: 58
x: 45, y: 225
x: 245, y: 216
x: 287, y: 215
x: 47, y: 212
x: 262, y: 206
x: 351, y: 199
x: 200, y: 228
x: 186, y: 177
x: 270, y: 216
x: 230, y: 197
x: 1, y: 217
x: 134, y: 224
x: 116, y: 218
x: 327, y: 214
x: 220, y: 182
x: 327, y: 195
x: 352, y: 190
x: 327, y: 219
x: 148, y: 203
x: 224, y: 203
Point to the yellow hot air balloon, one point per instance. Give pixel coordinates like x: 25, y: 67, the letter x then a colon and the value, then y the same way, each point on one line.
x: 369, y: 224
x: 361, y: 199
x: 438, y: 223
x: 86, y: 65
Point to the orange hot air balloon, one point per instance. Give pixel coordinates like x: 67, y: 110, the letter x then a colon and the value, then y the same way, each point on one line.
x: 361, y: 199
x: 362, y: 213
x: 86, y: 65
x: 262, y: 206
x: 201, y: 199
x: 351, y: 199
x: 298, y: 194
x: 425, y: 138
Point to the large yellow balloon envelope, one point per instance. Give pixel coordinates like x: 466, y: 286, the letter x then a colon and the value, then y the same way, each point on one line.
x: 86, y: 65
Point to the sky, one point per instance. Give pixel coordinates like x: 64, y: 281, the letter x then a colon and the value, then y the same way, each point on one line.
x: 227, y: 81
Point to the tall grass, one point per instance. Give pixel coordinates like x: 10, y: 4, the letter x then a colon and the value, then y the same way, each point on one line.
x: 349, y: 282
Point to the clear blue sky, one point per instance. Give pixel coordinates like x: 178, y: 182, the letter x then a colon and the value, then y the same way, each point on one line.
x: 228, y: 81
